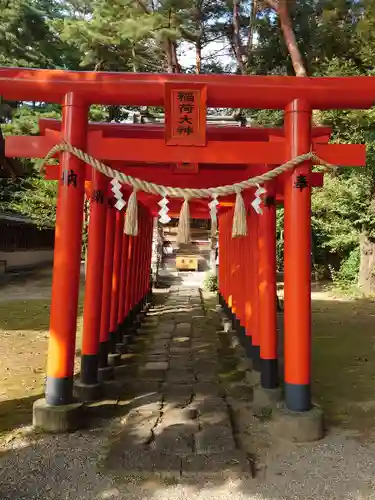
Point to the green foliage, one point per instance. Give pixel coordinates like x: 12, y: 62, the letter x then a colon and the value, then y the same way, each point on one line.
x: 211, y: 282
x: 347, y: 275
x: 28, y: 37
x: 280, y: 238
x: 33, y: 197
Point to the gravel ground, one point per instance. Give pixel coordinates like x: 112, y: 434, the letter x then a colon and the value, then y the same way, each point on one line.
x: 68, y: 467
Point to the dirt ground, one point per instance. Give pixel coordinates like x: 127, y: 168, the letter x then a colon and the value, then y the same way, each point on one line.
x: 343, y: 353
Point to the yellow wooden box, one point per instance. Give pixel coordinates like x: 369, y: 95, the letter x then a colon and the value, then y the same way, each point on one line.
x: 187, y: 262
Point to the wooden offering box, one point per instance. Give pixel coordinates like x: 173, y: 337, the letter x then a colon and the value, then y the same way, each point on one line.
x: 187, y: 262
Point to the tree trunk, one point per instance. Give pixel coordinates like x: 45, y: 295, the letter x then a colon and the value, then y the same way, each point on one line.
x: 175, y: 64
x: 281, y: 8
x: 250, y: 40
x: 198, y: 42
x: 198, y: 56
x: 290, y: 39
x: 366, y: 276
x: 236, y: 38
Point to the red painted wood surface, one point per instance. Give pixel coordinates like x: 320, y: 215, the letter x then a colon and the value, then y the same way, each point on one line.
x: 156, y: 131
x: 94, y: 265
x: 148, y: 89
x: 67, y: 252
x: 297, y: 251
x: 185, y: 114
x: 107, y: 272
x: 155, y: 151
x: 116, y: 272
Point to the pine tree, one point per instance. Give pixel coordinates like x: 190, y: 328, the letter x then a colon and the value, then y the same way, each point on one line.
x: 28, y: 37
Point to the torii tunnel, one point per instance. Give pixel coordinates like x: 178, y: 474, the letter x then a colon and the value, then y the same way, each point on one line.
x: 185, y: 153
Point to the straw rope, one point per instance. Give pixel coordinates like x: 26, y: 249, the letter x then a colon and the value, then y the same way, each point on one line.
x: 183, y: 235
x: 176, y: 192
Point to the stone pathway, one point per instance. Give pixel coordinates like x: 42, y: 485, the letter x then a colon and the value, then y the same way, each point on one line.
x: 130, y: 451
x: 182, y: 426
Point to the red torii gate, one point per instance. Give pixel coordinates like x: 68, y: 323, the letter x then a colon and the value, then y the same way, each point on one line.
x: 76, y: 91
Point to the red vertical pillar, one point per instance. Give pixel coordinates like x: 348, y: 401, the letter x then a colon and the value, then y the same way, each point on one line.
x: 248, y: 305
x: 148, y: 285
x: 116, y: 276
x: 144, y: 258
x: 129, y: 277
x: 220, y: 270
x: 267, y: 290
x: 140, y: 268
x: 146, y: 262
x: 123, y: 280
x: 67, y: 256
x: 254, y: 287
x: 242, y: 261
x: 240, y: 280
x: 107, y: 283
x: 230, y: 262
x: 94, y: 280
x: 135, y: 280
x: 297, y: 260
x: 226, y: 261
x: 234, y: 273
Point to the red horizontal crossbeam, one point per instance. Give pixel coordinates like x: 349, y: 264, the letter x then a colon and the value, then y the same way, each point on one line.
x: 155, y: 150
x: 147, y: 131
x: 229, y: 91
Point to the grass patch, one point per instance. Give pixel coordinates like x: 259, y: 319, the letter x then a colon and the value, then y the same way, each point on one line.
x: 23, y: 343
x: 343, y: 345
x: 344, y: 361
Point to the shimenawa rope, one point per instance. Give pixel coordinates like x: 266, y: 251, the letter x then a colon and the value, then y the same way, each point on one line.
x: 131, y: 225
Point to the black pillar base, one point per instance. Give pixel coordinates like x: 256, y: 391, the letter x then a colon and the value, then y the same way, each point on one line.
x: 112, y: 340
x: 298, y: 397
x: 89, y: 369
x: 59, y: 391
x: 256, y: 358
x: 119, y: 333
x: 225, y: 307
x: 269, y: 377
x: 232, y: 316
x: 241, y: 334
x: 240, y: 331
x: 248, y: 346
x: 220, y: 299
x: 103, y: 354
x: 131, y: 317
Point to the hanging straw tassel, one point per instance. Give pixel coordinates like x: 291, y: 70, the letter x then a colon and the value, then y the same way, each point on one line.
x: 183, y: 233
x: 213, y: 228
x: 131, y: 218
x: 213, y: 213
x: 239, y: 227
